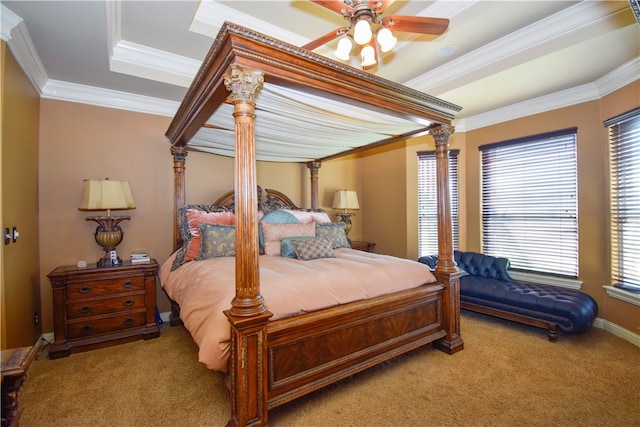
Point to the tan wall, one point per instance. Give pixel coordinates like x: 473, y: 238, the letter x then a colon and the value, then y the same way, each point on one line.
x: 82, y: 141
x: 384, y: 192
x: 593, y: 193
x: 79, y: 141
x: 20, y: 259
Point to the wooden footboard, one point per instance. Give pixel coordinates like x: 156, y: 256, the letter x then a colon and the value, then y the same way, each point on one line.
x: 308, y: 352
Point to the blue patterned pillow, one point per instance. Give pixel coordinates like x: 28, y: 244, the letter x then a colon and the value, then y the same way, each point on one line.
x: 217, y: 241
x: 334, y: 231
x: 286, y: 247
x: 306, y: 250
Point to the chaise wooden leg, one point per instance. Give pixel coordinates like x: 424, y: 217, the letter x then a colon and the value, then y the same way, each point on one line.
x: 552, y: 334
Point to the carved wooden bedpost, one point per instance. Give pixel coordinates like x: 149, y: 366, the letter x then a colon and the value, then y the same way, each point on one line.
x: 179, y: 158
x: 446, y: 270
x: 248, y: 315
x: 313, y: 167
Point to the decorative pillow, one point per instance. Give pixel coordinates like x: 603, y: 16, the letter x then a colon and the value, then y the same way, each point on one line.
x: 278, y: 216
x: 306, y: 215
x: 313, y: 249
x: 320, y: 217
x: 194, y: 219
x: 185, y: 231
x: 333, y: 231
x: 274, y: 233
x: 217, y: 241
x: 286, y: 247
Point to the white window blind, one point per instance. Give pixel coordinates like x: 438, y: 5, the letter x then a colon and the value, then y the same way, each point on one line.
x: 624, y: 147
x: 529, y: 202
x: 428, y: 201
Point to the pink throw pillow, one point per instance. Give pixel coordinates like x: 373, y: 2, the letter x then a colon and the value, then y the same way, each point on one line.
x: 274, y: 233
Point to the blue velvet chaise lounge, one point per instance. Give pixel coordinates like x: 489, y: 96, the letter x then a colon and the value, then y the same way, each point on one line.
x: 487, y: 288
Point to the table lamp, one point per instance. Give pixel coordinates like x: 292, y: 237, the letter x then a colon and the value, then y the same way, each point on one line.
x: 345, y: 200
x: 101, y: 195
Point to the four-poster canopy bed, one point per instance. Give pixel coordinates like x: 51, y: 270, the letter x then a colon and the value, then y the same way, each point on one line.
x: 275, y: 358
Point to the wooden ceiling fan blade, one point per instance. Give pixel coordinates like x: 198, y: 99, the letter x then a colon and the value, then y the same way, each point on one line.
x: 326, y: 38
x: 336, y: 6
x: 416, y: 24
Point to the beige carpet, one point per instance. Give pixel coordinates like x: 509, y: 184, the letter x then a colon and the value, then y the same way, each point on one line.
x: 507, y: 375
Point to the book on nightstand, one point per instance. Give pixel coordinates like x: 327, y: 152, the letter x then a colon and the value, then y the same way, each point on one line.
x: 140, y: 256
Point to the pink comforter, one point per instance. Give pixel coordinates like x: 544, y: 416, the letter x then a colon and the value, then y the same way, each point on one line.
x: 203, y: 289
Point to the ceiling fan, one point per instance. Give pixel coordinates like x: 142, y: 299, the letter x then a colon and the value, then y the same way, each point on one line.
x: 369, y: 26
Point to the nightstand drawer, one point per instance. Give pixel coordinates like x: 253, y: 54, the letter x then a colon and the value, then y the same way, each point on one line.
x: 102, y: 326
x: 104, y: 287
x: 104, y: 306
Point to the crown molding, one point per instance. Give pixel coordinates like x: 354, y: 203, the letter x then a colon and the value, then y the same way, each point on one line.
x: 153, y: 64
x: 618, y: 78
x: 8, y: 21
x: 570, y: 19
x: 15, y: 33
x: 72, y: 92
x: 143, y: 61
x: 210, y: 15
x: 139, y: 57
x: 113, y: 14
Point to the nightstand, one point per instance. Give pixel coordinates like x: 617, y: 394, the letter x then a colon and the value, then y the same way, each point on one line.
x: 15, y: 364
x: 363, y: 246
x: 96, y: 307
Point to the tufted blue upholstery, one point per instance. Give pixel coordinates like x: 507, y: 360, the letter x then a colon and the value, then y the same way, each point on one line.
x: 488, y: 284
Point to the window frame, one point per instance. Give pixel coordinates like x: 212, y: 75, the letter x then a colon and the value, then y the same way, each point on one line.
x: 624, y: 198
x: 529, y: 190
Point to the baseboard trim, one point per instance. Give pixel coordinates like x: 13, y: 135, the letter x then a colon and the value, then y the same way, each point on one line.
x: 617, y: 330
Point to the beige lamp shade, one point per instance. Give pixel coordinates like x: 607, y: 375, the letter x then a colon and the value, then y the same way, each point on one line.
x: 345, y: 199
x: 99, y: 195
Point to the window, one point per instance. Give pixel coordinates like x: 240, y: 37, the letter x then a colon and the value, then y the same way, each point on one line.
x: 624, y: 148
x: 428, y: 201
x: 529, y: 202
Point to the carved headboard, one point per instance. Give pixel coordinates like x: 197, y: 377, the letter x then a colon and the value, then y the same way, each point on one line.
x: 268, y: 200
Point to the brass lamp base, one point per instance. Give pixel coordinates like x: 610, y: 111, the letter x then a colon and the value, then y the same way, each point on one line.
x: 346, y: 218
x: 108, y: 234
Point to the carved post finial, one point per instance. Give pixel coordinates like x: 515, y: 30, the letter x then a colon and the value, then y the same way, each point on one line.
x: 243, y: 83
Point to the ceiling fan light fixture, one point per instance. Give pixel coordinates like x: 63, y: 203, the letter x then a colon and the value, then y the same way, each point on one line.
x: 368, y: 56
x: 362, y: 32
x: 343, y: 52
x: 386, y: 39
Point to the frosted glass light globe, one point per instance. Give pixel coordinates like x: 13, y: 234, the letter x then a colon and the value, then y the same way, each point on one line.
x: 362, y: 32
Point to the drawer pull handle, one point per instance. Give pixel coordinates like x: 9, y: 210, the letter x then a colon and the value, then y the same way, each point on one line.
x: 85, y: 309
x: 129, y: 321
x: 128, y: 284
x: 85, y: 289
x: 128, y: 303
x: 86, y: 329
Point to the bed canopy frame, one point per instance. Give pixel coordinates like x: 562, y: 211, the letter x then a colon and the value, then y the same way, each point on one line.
x: 239, y: 63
